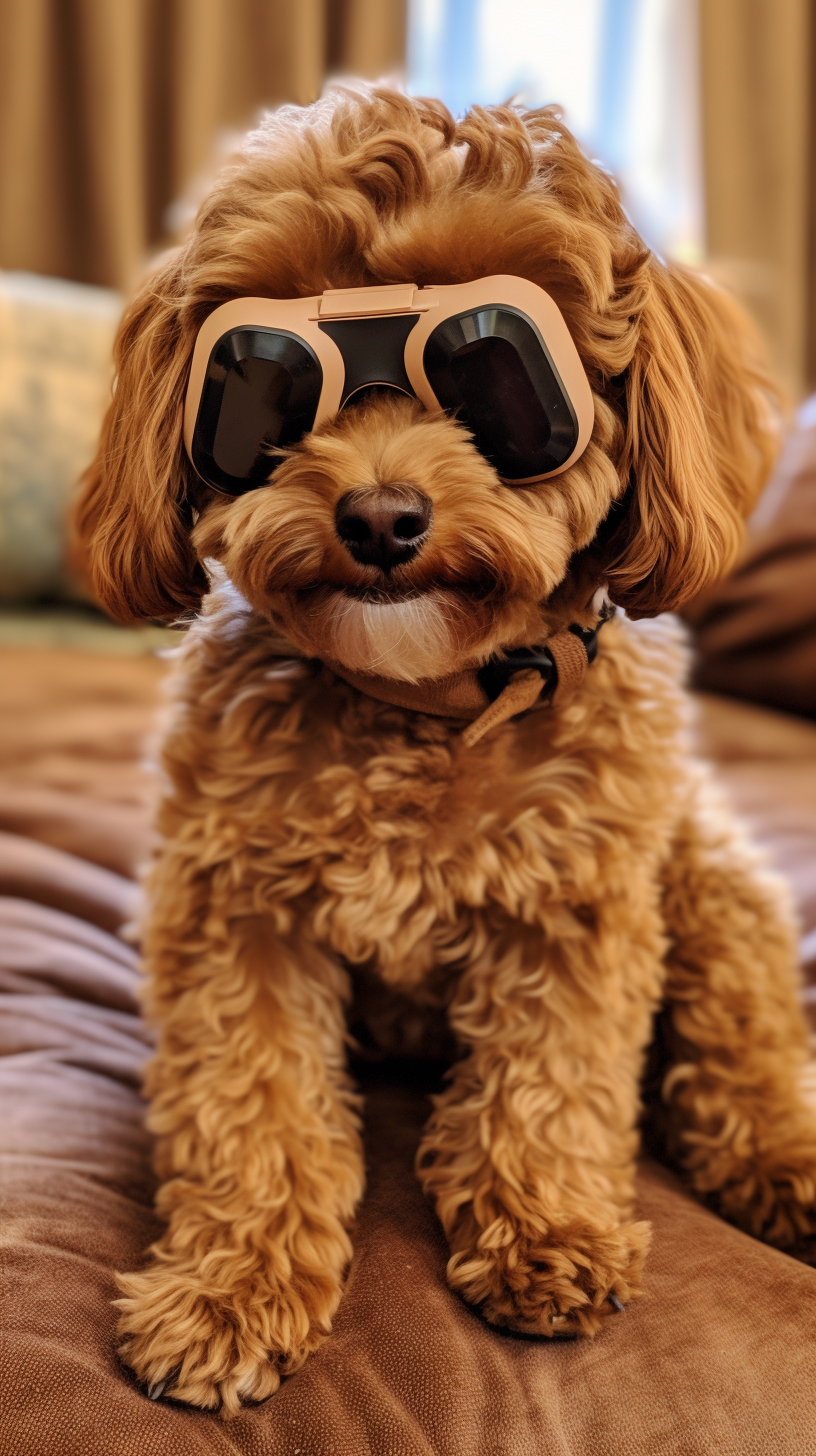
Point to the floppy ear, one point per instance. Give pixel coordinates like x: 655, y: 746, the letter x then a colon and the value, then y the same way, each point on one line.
x: 132, y: 518
x: 701, y: 436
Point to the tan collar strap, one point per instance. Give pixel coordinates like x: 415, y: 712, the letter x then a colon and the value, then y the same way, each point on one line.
x: 520, y: 680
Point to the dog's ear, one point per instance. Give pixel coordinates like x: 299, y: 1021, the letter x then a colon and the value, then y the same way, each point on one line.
x: 701, y: 436
x: 131, y: 521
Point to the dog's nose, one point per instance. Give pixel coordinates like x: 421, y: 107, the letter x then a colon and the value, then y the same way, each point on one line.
x: 383, y: 525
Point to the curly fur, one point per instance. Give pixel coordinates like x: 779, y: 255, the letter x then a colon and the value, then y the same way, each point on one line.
x: 536, y: 903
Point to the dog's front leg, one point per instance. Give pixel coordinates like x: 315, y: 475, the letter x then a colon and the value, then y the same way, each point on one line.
x: 258, y: 1144
x: 529, y: 1154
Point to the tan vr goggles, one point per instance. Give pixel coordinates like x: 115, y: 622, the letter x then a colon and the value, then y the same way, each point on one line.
x: 495, y: 353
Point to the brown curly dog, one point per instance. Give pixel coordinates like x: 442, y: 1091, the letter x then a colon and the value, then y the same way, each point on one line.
x: 540, y: 899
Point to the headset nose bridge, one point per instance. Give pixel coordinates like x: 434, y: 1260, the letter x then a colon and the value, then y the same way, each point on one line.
x: 384, y: 525
x: 373, y: 351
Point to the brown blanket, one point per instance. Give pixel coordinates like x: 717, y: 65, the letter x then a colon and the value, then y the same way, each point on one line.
x: 720, y: 1357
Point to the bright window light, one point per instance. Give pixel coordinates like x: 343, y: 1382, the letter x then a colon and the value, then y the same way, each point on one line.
x: 623, y: 71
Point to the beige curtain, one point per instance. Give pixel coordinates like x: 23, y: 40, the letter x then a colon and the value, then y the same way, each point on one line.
x: 757, y: 81
x: 109, y: 109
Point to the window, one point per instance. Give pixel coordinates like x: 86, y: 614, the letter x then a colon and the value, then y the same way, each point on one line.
x: 624, y: 71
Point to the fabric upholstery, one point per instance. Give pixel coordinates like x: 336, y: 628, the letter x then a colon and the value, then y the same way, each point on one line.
x: 755, y: 632
x: 719, y: 1357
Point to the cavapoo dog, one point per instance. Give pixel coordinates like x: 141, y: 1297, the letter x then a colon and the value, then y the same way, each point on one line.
x: 417, y: 779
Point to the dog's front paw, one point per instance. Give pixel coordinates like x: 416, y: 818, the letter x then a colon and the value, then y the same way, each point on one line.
x: 559, y: 1285
x: 216, y: 1347
x: 770, y: 1193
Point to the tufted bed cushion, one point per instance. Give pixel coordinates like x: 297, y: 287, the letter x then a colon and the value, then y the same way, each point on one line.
x: 719, y: 1357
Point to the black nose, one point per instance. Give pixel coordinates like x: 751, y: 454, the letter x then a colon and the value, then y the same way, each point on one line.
x: 383, y: 525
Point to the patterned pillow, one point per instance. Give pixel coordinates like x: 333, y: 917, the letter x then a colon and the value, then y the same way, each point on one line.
x: 55, y: 375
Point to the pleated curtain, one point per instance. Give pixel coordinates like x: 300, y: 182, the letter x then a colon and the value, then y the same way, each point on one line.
x: 757, y: 93
x: 110, y: 109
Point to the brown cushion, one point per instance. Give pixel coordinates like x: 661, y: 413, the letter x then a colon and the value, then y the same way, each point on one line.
x: 718, y: 1357
x: 756, y: 632
x: 73, y: 731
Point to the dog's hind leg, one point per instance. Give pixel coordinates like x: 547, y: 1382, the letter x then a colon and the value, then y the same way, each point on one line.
x: 530, y: 1153
x: 733, y: 1113
x: 258, y: 1144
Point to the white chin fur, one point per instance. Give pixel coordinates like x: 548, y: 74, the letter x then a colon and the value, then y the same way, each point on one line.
x: 407, y: 640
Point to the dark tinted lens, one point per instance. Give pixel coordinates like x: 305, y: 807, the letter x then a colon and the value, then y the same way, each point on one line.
x: 252, y: 415
x: 492, y: 368
x: 261, y: 390
x: 499, y: 396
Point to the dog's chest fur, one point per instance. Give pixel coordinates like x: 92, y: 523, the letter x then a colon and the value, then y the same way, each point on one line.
x: 405, y: 854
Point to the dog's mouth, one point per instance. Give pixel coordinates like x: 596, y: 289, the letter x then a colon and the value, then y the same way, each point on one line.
x: 381, y: 595
x: 472, y: 589
x: 408, y: 631
x: 393, y: 592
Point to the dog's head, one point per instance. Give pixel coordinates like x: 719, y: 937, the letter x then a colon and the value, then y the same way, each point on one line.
x: 372, y: 187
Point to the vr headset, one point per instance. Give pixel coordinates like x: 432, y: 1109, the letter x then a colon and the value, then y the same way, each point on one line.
x: 495, y: 353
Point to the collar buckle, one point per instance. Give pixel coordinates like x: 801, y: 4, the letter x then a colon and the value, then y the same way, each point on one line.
x: 497, y: 671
